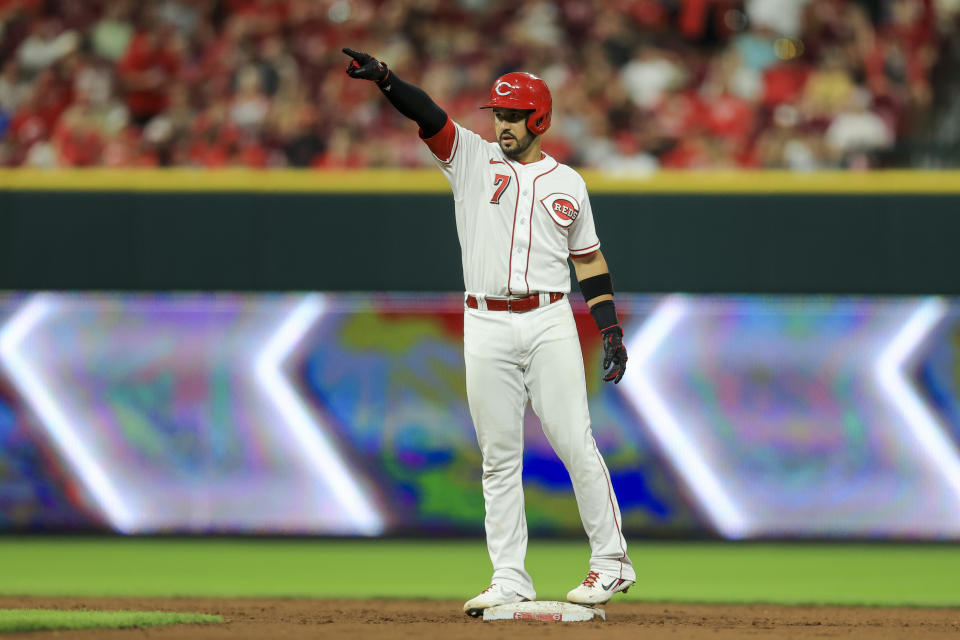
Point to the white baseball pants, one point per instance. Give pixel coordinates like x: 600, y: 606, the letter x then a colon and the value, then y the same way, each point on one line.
x: 510, y: 358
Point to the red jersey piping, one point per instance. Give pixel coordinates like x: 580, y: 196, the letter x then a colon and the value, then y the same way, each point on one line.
x: 613, y: 510
x: 513, y: 230
x: 533, y: 199
x: 591, y: 249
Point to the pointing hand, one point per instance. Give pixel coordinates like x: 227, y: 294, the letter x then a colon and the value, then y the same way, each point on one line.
x: 366, y: 67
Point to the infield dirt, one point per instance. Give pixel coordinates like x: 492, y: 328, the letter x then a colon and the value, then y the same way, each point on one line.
x: 442, y: 619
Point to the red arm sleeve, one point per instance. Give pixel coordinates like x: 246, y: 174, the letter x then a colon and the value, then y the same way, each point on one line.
x: 443, y: 143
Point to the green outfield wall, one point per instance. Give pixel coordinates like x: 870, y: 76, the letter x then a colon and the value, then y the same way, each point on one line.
x: 881, y: 233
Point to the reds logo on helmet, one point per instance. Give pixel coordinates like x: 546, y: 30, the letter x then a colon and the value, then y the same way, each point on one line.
x: 563, y: 208
x: 524, y: 92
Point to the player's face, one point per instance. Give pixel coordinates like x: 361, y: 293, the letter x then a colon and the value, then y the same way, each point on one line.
x: 510, y: 126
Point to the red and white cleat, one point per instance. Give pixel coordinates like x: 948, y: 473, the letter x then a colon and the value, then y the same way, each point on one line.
x: 598, y: 588
x: 491, y: 597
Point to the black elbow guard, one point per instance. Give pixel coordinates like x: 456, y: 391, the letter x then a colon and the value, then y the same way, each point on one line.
x: 596, y: 286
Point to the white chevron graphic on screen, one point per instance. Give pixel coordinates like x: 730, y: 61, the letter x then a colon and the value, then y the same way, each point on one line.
x: 841, y: 394
x: 891, y: 377
x: 309, y: 435
x: 114, y: 507
x: 70, y: 356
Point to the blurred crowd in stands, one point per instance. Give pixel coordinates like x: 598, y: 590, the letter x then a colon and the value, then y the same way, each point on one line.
x: 637, y: 84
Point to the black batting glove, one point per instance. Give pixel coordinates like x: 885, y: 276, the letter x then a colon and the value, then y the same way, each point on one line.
x: 366, y: 67
x: 614, y: 354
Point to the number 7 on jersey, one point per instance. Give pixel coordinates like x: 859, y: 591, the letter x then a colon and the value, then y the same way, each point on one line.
x: 500, y: 182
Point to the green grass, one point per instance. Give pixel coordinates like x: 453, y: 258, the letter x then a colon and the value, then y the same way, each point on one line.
x: 48, y: 619
x: 875, y: 574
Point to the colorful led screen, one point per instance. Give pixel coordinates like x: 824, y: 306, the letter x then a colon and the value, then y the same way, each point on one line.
x: 311, y: 413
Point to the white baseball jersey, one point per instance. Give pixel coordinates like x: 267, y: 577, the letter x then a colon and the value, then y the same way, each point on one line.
x: 517, y: 223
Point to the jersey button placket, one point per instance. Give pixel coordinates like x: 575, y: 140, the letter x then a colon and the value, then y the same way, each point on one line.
x: 520, y: 241
x: 523, y: 206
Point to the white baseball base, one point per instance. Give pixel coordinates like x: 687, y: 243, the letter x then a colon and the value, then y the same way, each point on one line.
x: 545, y: 611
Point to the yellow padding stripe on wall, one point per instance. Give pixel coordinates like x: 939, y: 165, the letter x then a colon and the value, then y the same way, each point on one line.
x: 432, y: 181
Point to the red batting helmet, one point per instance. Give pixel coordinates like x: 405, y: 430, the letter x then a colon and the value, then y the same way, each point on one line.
x: 524, y: 91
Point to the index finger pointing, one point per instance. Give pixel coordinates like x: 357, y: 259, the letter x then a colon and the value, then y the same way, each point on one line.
x: 356, y: 55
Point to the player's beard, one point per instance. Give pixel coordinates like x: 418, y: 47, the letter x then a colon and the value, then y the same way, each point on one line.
x: 519, y: 148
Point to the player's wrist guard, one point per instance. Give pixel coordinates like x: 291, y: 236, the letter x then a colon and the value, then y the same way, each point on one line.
x: 605, y: 315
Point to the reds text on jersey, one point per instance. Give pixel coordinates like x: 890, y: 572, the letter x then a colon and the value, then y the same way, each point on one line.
x: 517, y: 223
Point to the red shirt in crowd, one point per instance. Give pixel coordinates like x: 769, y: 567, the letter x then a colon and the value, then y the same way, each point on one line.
x: 146, y: 69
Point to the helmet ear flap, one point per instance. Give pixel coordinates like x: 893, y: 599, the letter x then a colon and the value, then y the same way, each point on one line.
x: 538, y: 122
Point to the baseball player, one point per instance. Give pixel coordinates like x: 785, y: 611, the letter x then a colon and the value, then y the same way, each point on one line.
x: 520, y: 214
